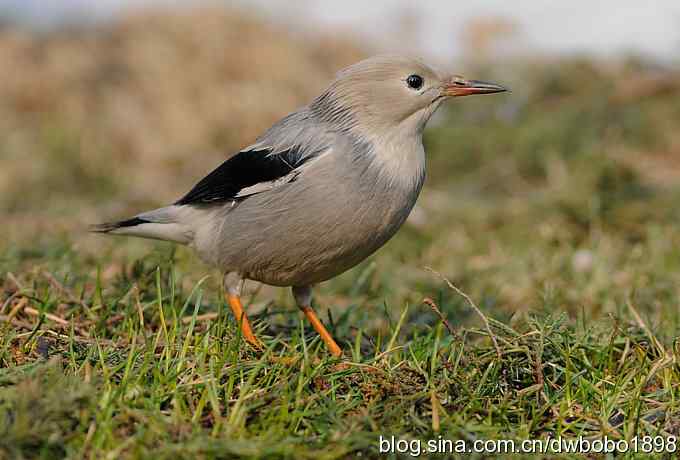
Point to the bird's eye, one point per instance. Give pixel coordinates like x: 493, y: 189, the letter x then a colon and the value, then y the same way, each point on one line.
x: 415, y: 81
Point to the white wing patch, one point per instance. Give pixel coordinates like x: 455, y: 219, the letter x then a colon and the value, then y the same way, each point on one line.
x: 270, y: 185
x: 266, y: 186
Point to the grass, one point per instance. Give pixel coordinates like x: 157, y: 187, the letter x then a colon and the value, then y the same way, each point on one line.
x: 554, y: 209
x: 156, y: 372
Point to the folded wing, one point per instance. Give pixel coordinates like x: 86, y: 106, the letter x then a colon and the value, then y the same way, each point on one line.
x: 246, y: 173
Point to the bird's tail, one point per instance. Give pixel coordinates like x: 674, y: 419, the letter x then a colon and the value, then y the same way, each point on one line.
x: 172, y: 223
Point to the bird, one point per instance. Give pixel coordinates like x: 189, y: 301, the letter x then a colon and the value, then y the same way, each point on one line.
x: 319, y: 191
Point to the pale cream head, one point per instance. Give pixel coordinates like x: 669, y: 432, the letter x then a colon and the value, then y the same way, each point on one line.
x: 386, y: 92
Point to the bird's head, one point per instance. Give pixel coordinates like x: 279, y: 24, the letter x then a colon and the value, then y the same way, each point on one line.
x: 386, y: 92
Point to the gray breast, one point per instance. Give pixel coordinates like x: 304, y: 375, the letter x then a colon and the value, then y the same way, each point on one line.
x: 340, y: 209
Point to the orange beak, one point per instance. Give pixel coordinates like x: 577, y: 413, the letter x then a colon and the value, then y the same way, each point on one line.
x: 458, y: 86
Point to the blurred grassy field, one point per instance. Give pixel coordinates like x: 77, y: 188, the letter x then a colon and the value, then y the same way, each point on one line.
x: 554, y: 208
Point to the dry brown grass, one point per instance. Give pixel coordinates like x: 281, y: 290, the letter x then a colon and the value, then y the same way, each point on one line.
x: 139, y: 101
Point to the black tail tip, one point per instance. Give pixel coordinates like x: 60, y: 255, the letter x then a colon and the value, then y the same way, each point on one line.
x: 102, y: 228
x: 110, y: 226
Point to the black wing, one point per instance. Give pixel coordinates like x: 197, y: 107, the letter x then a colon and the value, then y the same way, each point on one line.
x: 247, y: 168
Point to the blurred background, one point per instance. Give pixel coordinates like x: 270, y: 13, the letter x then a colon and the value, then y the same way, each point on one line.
x: 561, y: 195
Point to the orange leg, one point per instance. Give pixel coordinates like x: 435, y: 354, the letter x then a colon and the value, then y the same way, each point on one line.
x: 303, y: 297
x: 322, y: 331
x: 246, y: 330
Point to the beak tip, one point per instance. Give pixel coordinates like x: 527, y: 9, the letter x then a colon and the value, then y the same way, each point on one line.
x: 486, y: 87
x: 476, y: 87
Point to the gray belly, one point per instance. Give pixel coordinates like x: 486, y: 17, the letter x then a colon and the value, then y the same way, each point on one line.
x: 312, y: 229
